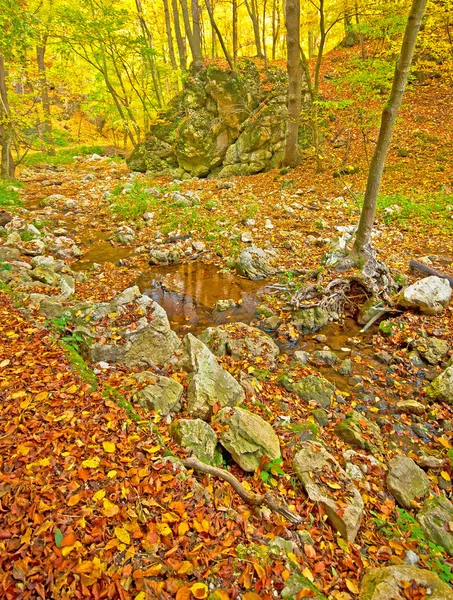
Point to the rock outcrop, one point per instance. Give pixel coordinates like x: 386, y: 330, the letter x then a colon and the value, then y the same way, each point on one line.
x: 389, y: 583
x: 221, y: 123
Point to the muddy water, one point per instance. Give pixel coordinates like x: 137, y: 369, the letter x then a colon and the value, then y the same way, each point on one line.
x: 188, y: 293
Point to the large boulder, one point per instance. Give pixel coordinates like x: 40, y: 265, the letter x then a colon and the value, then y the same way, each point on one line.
x: 390, y: 583
x: 162, y: 394
x: 252, y: 263
x: 431, y: 295
x: 240, y: 341
x: 436, y: 520
x: 309, y: 320
x: 441, y: 388
x: 209, y: 384
x: 314, y: 388
x: 327, y: 484
x: 406, y: 481
x: 247, y: 437
x: 197, y: 436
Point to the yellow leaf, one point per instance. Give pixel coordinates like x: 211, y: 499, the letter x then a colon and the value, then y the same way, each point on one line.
x: 251, y: 596
x: 111, y: 474
x: 108, y: 446
x: 352, y: 586
x: 91, y: 463
x: 199, y: 590
x: 445, y: 443
x: 122, y: 535
x: 183, y: 528
x: 41, y: 396
x: 186, y: 567
x: 110, y: 509
x: 25, y: 403
x: 445, y: 475
x: 16, y: 395
x: 67, y: 550
x: 4, y: 363
x: 308, y: 574
x: 44, y: 462
x: 163, y: 529
x: 170, y: 517
x: 343, y: 545
x: 72, y: 389
x: 260, y: 571
x: 141, y: 596
x: 334, y: 486
x: 99, y: 495
x: 73, y: 500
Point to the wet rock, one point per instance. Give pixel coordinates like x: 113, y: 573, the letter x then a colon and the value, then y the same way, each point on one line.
x: 271, y: 323
x: 158, y: 257
x: 209, y: 383
x: 9, y: 254
x: 410, y: 407
x: 326, y: 357
x: 302, y: 357
x: 343, y: 504
x: 309, y: 320
x: 240, y: 341
x: 162, y: 394
x: 384, y: 357
x: 430, y: 295
x: 311, y: 388
x: 441, y: 388
x: 32, y: 247
x: 389, y: 583
x: 252, y: 263
x: 429, y: 462
x: 222, y: 305
x: 197, y: 436
x: 345, y: 367
x: 406, y: 481
x: 433, y: 349
x: 124, y: 235
x: 359, y: 431
x: 247, y: 437
x: 321, y: 417
x: 435, y: 520
x: 45, y: 275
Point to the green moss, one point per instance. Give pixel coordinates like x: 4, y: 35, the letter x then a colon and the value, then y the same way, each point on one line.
x: 79, y: 365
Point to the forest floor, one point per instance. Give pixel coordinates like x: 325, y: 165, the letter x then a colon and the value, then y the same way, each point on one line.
x: 90, y: 504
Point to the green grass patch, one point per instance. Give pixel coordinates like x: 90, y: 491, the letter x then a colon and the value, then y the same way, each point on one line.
x: 63, y: 156
x: 9, y: 194
x: 431, y: 209
x: 79, y: 365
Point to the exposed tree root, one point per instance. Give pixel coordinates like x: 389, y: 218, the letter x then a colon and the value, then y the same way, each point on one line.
x: 273, y: 503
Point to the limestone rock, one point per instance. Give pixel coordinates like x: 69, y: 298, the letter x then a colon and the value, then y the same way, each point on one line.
x: 309, y: 320
x: 441, y: 388
x: 432, y: 349
x: 124, y: 235
x: 33, y: 247
x: 326, y: 357
x: 311, y: 387
x: 197, y: 436
x: 45, y: 275
x: 435, y: 520
x: 252, y: 263
x: 9, y: 254
x: 240, y: 341
x: 313, y: 462
x: 209, y: 383
x: 410, y: 407
x: 162, y: 394
x: 387, y: 583
x: 357, y: 430
x: 431, y: 295
x: 247, y: 437
x: 406, y: 481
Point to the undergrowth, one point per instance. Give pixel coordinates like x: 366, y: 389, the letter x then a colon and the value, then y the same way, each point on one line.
x: 9, y: 193
x: 429, y: 209
x: 63, y: 156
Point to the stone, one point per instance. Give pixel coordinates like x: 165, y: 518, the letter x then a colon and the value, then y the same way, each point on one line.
x: 359, y: 431
x: 198, y: 246
x: 268, y: 224
x: 32, y: 247
x: 345, y: 367
x: 295, y: 584
x: 246, y: 237
x: 162, y: 394
x: 222, y: 305
x: 435, y: 519
x: 429, y: 462
x: 197, y: 436
x: 240, y: 341
x: 51, y: 307
x: 406, y: 481
x: 45, y: 275
x: 148, y: 216
x: 66, y: 283
x: 158, y: 257
x: 209, y: 384
x: 5, y: 218
x: 124, y: 235
x: 326, y: 357
x: 311, y: 388
x: 431, y: 295
x: 321, y: 417
x: 432, y: 349
x: 53, y: 200
x: 389, y: 583
x: 410, y: 407
x: 64, y: 247
x: 309, y: 320
x: 271, y: 323
x: 343, y: 505
x: 247, y: 437
x: 126, y: 296
x: 302, y: 357
x: 252, y: 263
x: 441, y: 388
x: 9, y: 254
x: 47, y: 261
x: 369, y: 309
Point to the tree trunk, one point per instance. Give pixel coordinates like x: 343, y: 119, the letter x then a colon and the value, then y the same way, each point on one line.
x: 149, y: 42
x: 235, y: 32
x: 47, y: 125
x: 171, y: 49
x: 389, y: 113
x: 179, y: 38
x: 251, y: 9
x: 215, y: 30
x: 194, y: 38
x: 196, y: 32
x: 7, y: 167
x: 291, y: 157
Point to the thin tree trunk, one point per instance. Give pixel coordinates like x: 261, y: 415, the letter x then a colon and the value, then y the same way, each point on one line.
x: 256, y: 27
x: 389, y: 113
x: 264, y: 33
x: 171, y: 49
x: 235, y: 32
x: 7, y: 167
x: 179, y: 39
x: 47, y: 125
x: 196, y: 32
x: 219, y: 35
x: 149, y: 41
x: 291, y: 157
x: 194, y: 39
x: 274, y: 27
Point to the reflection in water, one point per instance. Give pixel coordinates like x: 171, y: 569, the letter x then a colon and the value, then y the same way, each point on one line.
x: 189, y: 292
x: 100, y: 253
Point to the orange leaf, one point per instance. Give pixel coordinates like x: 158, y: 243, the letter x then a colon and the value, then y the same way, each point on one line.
x: 73, y: 500
x: 68, y: 540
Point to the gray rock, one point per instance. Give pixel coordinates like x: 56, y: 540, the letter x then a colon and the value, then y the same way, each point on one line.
x: 271, y: 323
x: 45, y: 275
x: 124, y: 235
x: 432, y: 349
x: 295, y: 584
x: 441, y: 388
x: 247, y: 437
x: 162, y: 394
x: 343, y: 506
x: 47, y: 261
x: 309, y: 320
x: 197, y: 436
x: 410, y: 407
x: 429, y: 462
x: 302, y: 357
x: 66, y: 283
x: 345, y: 367
x: 431, y: 295
x: 386, y: 583
x: 9, y: 254
x: 359, y: 431
x: 252, y: 263
x: 51, y: 307
x: 32, y: 247
x: 222, y: 305
x: 158, y: 257
x: 209, y: 383
x: 435, y: 520
x: 311, y: 388
x: 326, y: 357
x: 406, y: 481
x: 126, y: 296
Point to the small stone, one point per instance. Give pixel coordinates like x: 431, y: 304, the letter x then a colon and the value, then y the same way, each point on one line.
x: 268, y: 224
x: 222, y: 305
x: 430, y: 462
x: 325, y: 357
x: 410, y: 407
x: 435, y: 519
x: 148, y: 216
x: 411, y: 558
x: 246, y: 237
x: 302, y: 357
x: 197, y: 436
x: 321, y: 417
x: 406, y: 481
x: 198, y: 246
x: 345, y: 367
x: 430, y: 295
